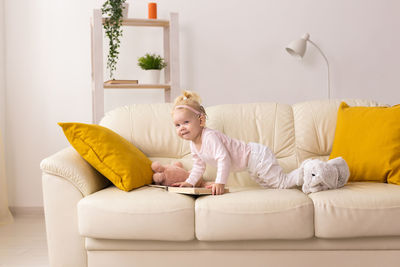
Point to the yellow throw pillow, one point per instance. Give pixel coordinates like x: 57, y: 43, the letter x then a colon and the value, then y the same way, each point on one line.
x: 109, y: 153
x: 368, y: 138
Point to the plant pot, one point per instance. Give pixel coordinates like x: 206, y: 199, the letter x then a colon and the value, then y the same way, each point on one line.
x: 152, y: 76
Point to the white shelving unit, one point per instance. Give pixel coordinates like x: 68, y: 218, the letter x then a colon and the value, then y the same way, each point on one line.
x: 171, y: 57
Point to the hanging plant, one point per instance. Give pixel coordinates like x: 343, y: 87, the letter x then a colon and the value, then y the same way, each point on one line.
x: 112, y: 9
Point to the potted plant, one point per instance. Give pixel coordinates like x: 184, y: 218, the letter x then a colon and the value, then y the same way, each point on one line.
x: 114, y: 12
x: 152, y: 64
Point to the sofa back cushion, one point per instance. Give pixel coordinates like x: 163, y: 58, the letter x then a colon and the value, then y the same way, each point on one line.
x: 149, y: 127
x: 270, y: 124
x: 315, y: 124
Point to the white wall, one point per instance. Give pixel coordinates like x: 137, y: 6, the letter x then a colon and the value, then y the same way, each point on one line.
x: 231, y: 52
x: 48, y: 80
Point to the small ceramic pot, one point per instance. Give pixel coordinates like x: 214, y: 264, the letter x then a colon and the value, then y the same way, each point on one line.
x: 152, y: 76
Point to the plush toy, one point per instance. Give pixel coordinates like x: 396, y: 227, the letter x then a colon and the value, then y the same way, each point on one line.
x: 168, y: 174
x: 172, y: 173
x: 320, y: 175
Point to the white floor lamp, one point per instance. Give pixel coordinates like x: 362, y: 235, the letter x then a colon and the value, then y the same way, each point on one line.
x: 297, y: 48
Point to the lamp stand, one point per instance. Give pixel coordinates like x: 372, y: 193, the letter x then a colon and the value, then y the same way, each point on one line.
x: 327, y: 64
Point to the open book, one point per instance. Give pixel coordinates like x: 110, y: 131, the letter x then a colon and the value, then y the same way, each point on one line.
x: 188, y: 190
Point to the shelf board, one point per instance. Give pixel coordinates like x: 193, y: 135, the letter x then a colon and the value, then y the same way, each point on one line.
x: 144, y: 22
x: 137, y: 86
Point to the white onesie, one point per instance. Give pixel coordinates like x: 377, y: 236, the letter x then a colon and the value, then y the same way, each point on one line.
x: 229, y: 154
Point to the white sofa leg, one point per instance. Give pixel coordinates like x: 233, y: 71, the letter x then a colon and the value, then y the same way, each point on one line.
x: 66, y: 246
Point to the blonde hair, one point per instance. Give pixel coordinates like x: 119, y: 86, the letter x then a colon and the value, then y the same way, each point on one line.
x: 190, y: 99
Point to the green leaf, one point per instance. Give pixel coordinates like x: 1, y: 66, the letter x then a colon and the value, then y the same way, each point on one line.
x: 151, y: 62
x: 112, y: 26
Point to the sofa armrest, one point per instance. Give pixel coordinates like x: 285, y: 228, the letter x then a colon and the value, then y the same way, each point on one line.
x: 66, y: 179
x: 69, y: 165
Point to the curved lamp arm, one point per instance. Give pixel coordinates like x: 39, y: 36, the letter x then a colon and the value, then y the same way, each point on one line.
x: 297, y: 48
x: 327, y: 64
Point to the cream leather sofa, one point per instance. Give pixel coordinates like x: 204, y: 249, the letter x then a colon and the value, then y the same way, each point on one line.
x: 92, y: 223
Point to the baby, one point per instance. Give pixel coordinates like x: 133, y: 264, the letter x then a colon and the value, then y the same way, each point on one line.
x: 212, y: 147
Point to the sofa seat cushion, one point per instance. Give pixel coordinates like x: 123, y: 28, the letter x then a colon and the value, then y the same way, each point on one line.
x: 360, y: 209
x: 145, y: 213
x: 255, y: 214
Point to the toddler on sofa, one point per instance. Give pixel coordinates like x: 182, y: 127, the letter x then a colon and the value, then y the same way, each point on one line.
x: 212, y: 147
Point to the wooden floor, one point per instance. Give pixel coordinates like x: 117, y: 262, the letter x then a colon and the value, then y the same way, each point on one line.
x: 23, y: 243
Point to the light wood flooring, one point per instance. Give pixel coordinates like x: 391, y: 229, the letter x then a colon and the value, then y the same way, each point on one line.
x: 23, y: 242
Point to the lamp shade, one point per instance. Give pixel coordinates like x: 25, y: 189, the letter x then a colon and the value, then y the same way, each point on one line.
x: 297, y: 48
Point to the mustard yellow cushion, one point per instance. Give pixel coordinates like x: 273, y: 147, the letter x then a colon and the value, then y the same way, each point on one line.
x: 368, y: 138
x: 109, y: 153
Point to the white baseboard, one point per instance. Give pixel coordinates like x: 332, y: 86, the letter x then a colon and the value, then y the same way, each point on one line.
x: 27, y: 211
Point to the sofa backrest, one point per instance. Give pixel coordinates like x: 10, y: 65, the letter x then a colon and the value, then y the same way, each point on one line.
x: 294, y: 133
x: 270, y: 124
x: 315, y: 124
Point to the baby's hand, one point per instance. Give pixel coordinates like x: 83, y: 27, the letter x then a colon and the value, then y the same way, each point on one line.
x: 182, y: 184
x: 216, y: 189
